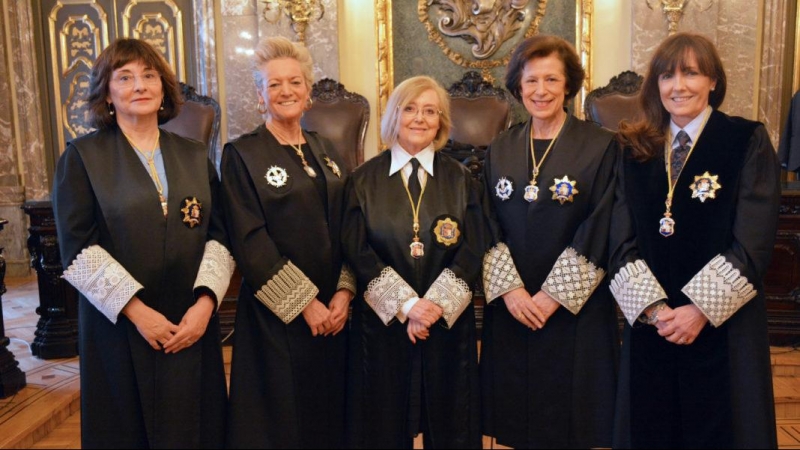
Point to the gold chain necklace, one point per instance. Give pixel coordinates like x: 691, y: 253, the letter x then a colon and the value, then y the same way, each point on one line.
x: 417, y: 247
x: 297, y: 149
x: 532, y: 190
x: 153, y: 171
x: 666, y: 225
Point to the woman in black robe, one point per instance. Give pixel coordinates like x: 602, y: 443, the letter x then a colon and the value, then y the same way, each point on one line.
x: 694, y: 227
x: 413, y: 233
x: 550, y: 342
x: 282, y: 191
x: 142, y: 237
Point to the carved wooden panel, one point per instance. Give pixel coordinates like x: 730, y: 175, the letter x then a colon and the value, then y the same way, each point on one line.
x: 75, y: 32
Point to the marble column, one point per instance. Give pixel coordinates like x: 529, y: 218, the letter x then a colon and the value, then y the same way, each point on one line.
x: 23, y: 160
x: 12, y: 379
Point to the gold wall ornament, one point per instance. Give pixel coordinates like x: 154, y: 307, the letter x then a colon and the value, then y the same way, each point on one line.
x: 164, y: 33
x: 75, y: 110
x: 673, y: 10
x: 300, y: 12
x: 486, y: 24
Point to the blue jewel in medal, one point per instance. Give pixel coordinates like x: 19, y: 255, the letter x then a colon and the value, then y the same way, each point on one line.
x: 504, y: 188
x: 705, y: 186
x: 666, y: 225
x: 564, y: 189
x: 332, y: 165
x: 531, y: 192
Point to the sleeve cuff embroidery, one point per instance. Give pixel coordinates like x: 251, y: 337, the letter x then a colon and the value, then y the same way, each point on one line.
x: 719, y: 290
x: 451, y: 293
x: 635, y: 288
x: 499, y: 273
x: 387, y: 293
x: 102, y: 280
x: 287, y: 293
x: 572, y: 280
x: 215, y: 270
x: 347, y: 280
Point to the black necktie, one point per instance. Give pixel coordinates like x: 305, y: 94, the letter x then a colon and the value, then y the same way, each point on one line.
x: 679, y: 154
x: 413, y: 180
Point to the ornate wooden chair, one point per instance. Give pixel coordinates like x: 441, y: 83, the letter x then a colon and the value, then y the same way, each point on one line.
x: 199, y: 119
x: 607, y: 106
x: 341, y: 116
x: 479, y: 110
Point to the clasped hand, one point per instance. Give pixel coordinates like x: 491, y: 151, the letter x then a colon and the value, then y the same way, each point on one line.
x: 327, y: 321
x: 681, y: 325
x: 531, y: 311
x: 422, y: 316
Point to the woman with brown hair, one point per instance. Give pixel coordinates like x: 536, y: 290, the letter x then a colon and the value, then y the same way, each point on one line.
x: 282, y: 188
x: 150, y: 275
x: 694, y: 225
x: 549, y: 349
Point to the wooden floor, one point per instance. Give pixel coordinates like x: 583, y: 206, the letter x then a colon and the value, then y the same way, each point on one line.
x: 46, y: 413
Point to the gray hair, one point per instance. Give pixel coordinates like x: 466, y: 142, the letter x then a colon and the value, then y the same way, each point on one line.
x: 280, y: 47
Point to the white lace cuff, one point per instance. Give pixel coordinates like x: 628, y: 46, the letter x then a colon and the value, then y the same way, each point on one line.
x: 635, y: 288
x: 102, y: 280
x: 387, y: 293
x: 572, y: 280
x: 499, y: 273
x: 347, y: 280
x: 287, y: 293
x: 451, y: 293
x: 719, y: 290
x: 215, y: 270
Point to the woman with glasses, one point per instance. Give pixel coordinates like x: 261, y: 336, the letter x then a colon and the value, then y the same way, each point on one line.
x: 142, y: 238
x: 413, y: 233
x: 282, y: 188
x: 549, y: 349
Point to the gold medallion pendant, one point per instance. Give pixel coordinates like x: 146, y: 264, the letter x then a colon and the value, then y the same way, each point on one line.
x: 564, y: 189
x: 192, y: 212
x: 705, y: 186
x: 531, y: 192
x: 417, y: 249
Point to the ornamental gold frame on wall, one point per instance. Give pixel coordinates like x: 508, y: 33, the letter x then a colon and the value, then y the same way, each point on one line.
x: 384, y: 33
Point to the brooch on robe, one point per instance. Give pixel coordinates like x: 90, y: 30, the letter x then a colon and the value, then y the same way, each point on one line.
x: 564, y: 189
x: 192, y: 212
x: 705, y: 186
x: 446, y: 231
x: 504, y: 188
x: 276, y: 176
x: 333, y: 166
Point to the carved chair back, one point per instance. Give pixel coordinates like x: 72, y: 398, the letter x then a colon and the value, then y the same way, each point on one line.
x: 341, y: 116
x: 479, y: 110
x: 199, y: 119
x: 607, y: 106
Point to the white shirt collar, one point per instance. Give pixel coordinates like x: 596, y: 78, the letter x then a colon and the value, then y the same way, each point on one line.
x: 693, y: 128
x: 400, y: 158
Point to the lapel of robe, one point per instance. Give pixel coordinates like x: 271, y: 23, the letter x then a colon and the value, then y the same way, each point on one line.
x: 316, y: 149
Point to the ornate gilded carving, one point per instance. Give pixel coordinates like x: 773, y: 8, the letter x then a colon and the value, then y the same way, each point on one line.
x: 300, y: 12
x: 164, y: 32
x: 383, y: 12
x: 80, y: 43
x: 487, y: 24
x: 75, y: 109
x: 673, y: 11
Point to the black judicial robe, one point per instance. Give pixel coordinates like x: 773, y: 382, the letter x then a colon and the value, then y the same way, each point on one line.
x: 553, y: 387
x: 287, y: 386
x: 131, y: 395
x: 669, y: 394
x: 382, y: 373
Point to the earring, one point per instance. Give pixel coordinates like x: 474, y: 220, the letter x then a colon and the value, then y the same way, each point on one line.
x: 162, y: 104
x: 111, y: 109
x: 261, y: 108
x: 309, y: 103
